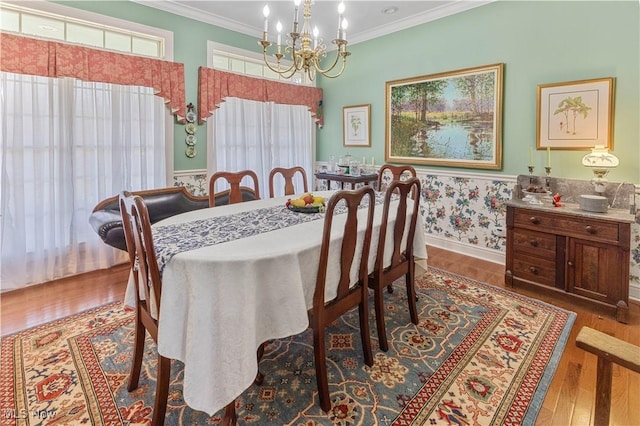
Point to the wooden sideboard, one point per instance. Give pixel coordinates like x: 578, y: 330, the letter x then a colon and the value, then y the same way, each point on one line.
x: 570, y: 254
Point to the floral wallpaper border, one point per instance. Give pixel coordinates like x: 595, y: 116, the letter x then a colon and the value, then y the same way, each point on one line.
x: 464, y: 209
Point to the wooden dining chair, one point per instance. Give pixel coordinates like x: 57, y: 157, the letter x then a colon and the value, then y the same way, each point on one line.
x: 349, y: 294
x: 288, y: 176
x: 397, y: 173
x: 237, y: 193
x: 146, y: 275
x: 402, y: 259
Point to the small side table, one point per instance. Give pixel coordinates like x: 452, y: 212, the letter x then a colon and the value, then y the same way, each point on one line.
x: 366, y: 179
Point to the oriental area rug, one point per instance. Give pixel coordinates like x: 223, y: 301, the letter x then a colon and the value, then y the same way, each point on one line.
x: 480, y: 355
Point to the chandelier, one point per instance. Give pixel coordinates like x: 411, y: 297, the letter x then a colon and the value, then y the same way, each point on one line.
x: 304, y: 48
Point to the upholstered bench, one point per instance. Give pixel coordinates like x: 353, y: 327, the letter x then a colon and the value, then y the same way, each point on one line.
x: 161, y: 203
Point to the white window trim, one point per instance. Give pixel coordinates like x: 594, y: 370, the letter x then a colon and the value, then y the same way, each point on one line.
x: 213, y: 46
x: 97, y: 18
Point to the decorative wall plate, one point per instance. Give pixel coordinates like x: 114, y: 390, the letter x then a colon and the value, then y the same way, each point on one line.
x: 191, y: 140
x: 190, y: 152
x: 191, y: 117
x: 190, y: 128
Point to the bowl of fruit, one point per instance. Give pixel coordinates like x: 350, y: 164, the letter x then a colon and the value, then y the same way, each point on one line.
x: 306, y: 203
x: 534, y: 193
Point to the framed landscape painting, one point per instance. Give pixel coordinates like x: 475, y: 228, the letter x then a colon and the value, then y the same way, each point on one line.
x: 575, y: 114
x: 449, y: 119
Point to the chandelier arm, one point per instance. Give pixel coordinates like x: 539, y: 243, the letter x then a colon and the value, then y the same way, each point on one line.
x: 277, y: 70
x: 325, y: 72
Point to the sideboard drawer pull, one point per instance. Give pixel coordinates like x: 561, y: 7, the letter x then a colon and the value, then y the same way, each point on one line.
x: 533, y: 270
x: 534, y: 220
x: 533, y: 242
x: 590, y: 229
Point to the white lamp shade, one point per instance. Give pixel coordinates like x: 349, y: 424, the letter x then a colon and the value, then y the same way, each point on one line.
x: 601, y: 158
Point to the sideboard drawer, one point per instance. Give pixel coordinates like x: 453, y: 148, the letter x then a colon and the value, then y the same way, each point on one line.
x: 536, y: 243
x: 535, y: 269
x: 592, y: 229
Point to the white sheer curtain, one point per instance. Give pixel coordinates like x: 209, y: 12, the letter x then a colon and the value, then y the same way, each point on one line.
x: 260, y: 136
x: 66, y: 145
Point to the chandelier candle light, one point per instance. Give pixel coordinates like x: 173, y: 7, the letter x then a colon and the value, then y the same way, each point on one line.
x: 304, y: 55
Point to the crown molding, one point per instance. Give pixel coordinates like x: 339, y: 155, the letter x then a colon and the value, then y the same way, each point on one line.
x: 199, y: 15
x: 420, y: 18
x: 443, y: 11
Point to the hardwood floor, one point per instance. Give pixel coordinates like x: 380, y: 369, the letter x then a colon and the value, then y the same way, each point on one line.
x: 569, y: 401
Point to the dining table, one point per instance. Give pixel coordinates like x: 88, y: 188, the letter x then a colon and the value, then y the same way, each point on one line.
x: 238, y: 275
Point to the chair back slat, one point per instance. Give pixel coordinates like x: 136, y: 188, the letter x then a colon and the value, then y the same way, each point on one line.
x: 348, y: 255
x: 288, y: 176
x: 397, y: 173
x: 236, y: 191
x: 405, y: 190
x: 142, y: 255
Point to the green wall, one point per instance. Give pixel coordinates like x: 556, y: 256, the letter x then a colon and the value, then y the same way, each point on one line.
x: 538, y: 41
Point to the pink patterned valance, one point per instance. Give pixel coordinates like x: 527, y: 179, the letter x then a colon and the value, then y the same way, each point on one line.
x: 215, y: 85
x: 23, y: 55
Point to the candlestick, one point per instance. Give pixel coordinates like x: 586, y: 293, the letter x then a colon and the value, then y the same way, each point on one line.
x: 548, y: 157
x: 547, y: 180
x: 530, y: 174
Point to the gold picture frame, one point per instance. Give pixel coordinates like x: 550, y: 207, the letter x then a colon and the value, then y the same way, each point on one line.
x: 356, y: 125
x: 448, y: 119
x: 575, y: 114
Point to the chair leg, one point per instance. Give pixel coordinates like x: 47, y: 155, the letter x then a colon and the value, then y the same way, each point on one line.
x: 411, y: 297
x: 321, y: 368
x: 138, y: 351
x: 260, y: 377
x: 379, y: 305
x: 230, y: 416
x: 162, y: 391
x: 365, y: 334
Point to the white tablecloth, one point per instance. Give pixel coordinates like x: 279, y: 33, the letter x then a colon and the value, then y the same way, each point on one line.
x: 219, y: 303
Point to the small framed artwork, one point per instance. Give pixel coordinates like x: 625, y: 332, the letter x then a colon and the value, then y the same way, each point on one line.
x: 356, y: 126
x: 575, y: 114
x: 451, y: 119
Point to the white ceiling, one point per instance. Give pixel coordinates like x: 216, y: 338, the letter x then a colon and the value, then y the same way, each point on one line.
x: 367, y: 19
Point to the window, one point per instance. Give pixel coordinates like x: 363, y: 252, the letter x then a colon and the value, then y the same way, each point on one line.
x: 227, y: 58
x: 66, y: 144
x: 90, y: 31
x: 256, y: 135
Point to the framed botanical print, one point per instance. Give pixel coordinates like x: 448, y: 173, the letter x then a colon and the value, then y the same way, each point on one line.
x: 575, y: 114
x: 356, y: 126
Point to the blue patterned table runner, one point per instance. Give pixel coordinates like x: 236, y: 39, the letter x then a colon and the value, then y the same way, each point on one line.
x: 170, y: 240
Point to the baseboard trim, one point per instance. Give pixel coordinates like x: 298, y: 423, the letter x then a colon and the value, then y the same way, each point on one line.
x: 634, y: 292
x: 483, y: 253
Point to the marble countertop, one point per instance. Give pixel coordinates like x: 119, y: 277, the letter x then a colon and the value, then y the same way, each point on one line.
x: 618, y: 215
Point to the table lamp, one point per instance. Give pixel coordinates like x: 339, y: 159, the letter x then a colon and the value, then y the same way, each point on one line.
x: 600, y: 160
